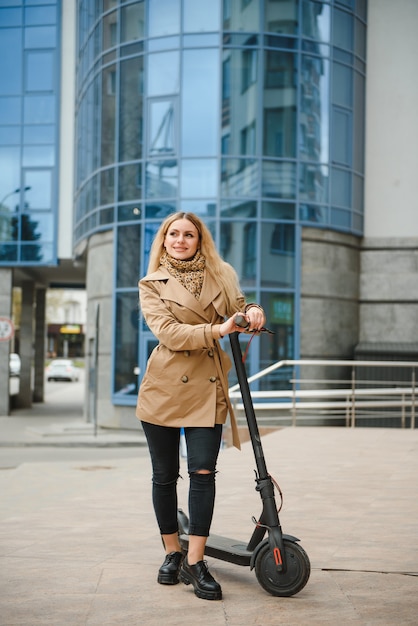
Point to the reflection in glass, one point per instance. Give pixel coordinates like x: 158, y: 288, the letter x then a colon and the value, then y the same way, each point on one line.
x: 313, y: 183
x: 130, y: 114
x: 238, y: 246
x: 342, y: 28
x: 314, y: 104
x: 239, y: 104
x: 342, y: 136
x: 39, y: 194
x: 36, y: 253
x: 239, y: 177
x: 340, y: 218
x: 314, y: 213
x: 279, y: 308
x: 241, y: 15
x: 164, y: 17
x: 159, y: 209
x: 161, y: 179
x: 107, y: 186
x: 126, y: 344
x: 110, y: 30
x: 108, y: 115
x: 278, y: 210
x: 132, y: 22
x: 39, y: 226
x: 199, y: 178
x: 341, y: 187
x: 8, y: 252
x: 128, y: 265
x: 9, y: 177
x: 130, y: 182
x: 316, y: 21
x: 162, y: 131
x: 278, y: 20
x: 163, y: 73
x: 199, y: 207
x: 201, y: 15
x: 279, y: 179
x: 40, y: 71
x: 277, y: 254
x: 200, y: 112
x: 342, y: 85
x: 239, y: 208
x: 129, y: 212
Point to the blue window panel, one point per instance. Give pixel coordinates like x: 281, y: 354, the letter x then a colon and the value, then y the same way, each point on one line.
x: 9, y: 177
x: 163, y: 17
x: 41, y: 37
x: 8, y: 253
x: 199, y: 178
x: 10, y: 135
x: 39, y: 134
x: 201, y: 15
x: 39, y: 71
x: 39, y: 109
x: 35, y: 156
x: 39, y: 196
x: 10, y: 17
x: 37, y: 227
x: 163, y: 73
x: 37, y: 253
x: 11, y: 61
x: 40, y: 16
x: 200, y: 98
x: 10, y: 110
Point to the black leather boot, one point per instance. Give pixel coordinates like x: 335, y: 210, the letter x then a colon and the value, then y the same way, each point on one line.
x: 205, y: 586
x: 168, y: 574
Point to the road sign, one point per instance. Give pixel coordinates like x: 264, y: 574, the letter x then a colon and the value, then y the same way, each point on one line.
x: 7, y: 330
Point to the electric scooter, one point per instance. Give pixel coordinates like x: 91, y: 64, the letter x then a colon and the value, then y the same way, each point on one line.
x: 281, y: 565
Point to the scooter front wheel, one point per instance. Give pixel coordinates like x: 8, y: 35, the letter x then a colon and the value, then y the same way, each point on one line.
x: 290, y: 582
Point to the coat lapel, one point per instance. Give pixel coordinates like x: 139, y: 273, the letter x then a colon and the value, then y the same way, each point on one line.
x: 171, y: 289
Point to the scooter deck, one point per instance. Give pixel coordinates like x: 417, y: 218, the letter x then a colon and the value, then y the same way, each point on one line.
x: 223, y: 548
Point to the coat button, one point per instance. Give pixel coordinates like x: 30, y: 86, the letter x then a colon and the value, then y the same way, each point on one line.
x: 212, y: 379
x: 186, y: 353
x: 210, y: 353
x: 184, y: 379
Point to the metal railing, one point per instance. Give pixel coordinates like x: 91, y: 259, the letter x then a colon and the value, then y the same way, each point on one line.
x: 355, y: 399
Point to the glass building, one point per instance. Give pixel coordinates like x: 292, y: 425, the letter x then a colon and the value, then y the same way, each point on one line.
x: 249, y: 113
x: 29, y: 126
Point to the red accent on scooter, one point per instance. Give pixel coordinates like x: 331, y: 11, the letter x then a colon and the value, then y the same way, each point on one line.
x: 277, y: 556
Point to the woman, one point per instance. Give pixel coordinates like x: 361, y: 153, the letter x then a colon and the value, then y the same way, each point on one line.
x: 185, y: 297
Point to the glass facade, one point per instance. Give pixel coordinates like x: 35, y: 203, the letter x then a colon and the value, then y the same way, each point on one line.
x: 29, y: 104
x: 249, y: 113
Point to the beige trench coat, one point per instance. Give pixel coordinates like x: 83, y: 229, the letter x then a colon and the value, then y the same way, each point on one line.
x: 186, y: 380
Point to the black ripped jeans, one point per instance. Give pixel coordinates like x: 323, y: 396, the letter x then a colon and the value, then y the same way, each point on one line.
x: 202, y: 453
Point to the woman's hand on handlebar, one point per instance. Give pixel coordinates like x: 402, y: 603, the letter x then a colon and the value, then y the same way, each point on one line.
x: 246, y: 322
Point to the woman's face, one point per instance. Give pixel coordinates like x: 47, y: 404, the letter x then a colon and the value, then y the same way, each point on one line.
x: 182, y: 240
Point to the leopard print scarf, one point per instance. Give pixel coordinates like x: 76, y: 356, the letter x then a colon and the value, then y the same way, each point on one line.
x: 189, y: 273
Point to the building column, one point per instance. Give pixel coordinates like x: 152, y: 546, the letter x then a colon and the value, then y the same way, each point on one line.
x: 39, y: 361
x: 5, y: 311
x: 24, y: 397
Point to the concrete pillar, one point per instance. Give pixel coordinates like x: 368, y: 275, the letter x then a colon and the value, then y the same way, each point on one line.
x: 24, y: 397
x: 5, y: 311
x: 39, y: 362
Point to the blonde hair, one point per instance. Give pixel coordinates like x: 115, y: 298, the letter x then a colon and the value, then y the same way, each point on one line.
x: 222, y: 272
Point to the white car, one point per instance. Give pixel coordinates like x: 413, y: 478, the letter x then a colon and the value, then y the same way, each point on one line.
x: 62, y: 369
x: 14, y: 364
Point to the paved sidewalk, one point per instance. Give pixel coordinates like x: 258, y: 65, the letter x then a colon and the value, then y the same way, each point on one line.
x: 79, y: 545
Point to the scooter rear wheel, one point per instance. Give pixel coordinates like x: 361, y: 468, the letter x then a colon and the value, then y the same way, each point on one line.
x: 286, y: 583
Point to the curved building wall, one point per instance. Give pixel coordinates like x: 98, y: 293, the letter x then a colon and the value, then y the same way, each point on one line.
x: 249, y: 113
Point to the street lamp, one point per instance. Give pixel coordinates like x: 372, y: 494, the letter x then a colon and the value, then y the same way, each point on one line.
x: 18, y: 190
